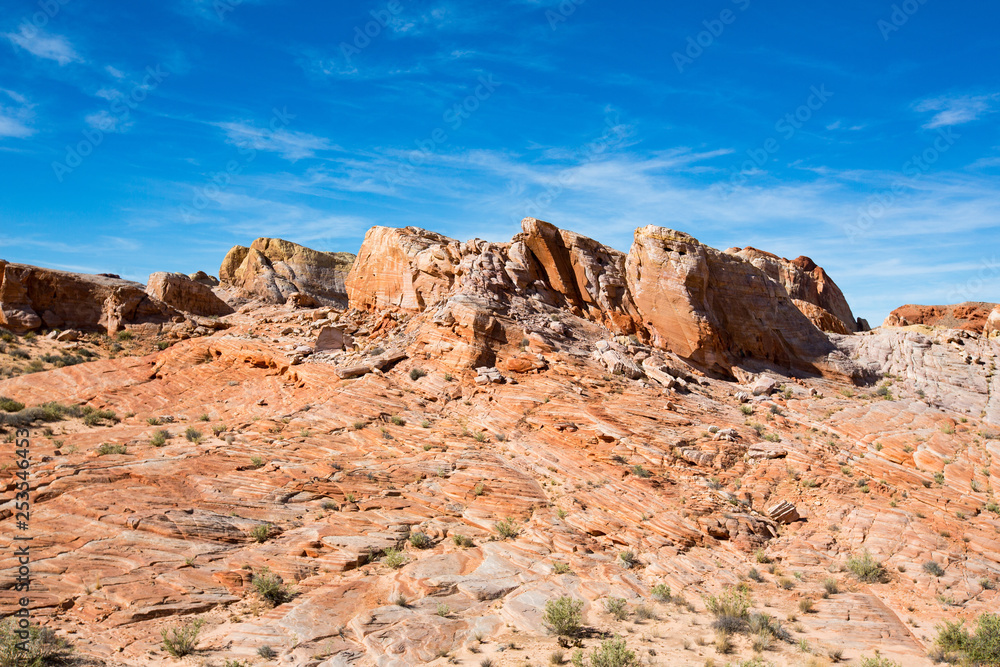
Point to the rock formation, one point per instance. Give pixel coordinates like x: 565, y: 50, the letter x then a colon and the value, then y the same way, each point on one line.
x: 968, y: 316
x: 186, y: 294
x: 809, y: 286
x: 273, y: 269
x: 32, y: 297
x: 992, y: 326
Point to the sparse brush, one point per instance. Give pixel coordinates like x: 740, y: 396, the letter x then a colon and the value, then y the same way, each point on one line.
x: 645, y: 613
x: 420, y: 540
x: 462, y: 541
x: 160, y: 438
x: 617, y: 608
x: 931, y: 567
x: 806, y: 605
x: 613, y: 653
x: 181, y: 640
x: 560, y: 568
x: 507, y: 528
x: 755, y: 575
x: 267, y: 652
x: 270, y: 587
x: 393, y: 558
x: 31, y: 646
x: 831, y: 586
x: 661, y: 593
x: 731, y: 609
x: 564, y: 616
x: 109, y: 449
x: 866, y: 568
x: 193, y: 435
x: 261, y: 532
x: 628, y: 559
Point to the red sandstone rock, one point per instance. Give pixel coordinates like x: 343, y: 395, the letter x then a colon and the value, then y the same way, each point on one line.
x: 185, y: 294
x: 969, y: 316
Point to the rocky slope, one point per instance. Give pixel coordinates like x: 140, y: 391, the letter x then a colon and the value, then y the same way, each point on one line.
x: 522, y: 421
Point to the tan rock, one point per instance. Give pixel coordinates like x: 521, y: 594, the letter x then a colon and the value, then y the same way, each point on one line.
x: 274, y: 269
x: 185, y: 294
x: 968, y: 316
x: 992, y: 326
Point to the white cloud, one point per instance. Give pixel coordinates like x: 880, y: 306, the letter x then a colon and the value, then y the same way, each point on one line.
x: 105, y: 121
x: 15, y: 119
x: 49, y: 47
x: 115, y: 72
x: 956, y: 110
x: 289, y: 144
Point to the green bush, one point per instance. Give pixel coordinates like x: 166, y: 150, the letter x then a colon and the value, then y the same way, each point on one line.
x: 420, y: 540
x: 613, y: 653
x: 866, y: 568
x: 160, y: 438
x: 261, y: 532
x: 564, y: 616
x: 270, y: 587
x: 731, y: 609
x: 417, y: 373
x: 193, y: 434
x: 43, y: 647
x: 109, y: 448
x: 878, y: 661
x: 980, y: 648
x: 661, y: 593
x: 10, y: 405
x: 393, y: 558
x: 181, y: 640
x: 617, y: 607
x: 931, y: 567
x: 507, y: 529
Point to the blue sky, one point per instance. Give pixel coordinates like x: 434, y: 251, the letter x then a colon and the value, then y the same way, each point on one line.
x: 137, y: 137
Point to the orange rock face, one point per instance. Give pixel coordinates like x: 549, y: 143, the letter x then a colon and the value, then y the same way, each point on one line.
x: 969, y: 316
x: 992, y: 326
x: 182, y: 293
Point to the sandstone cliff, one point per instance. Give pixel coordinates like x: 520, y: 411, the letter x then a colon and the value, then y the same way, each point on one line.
x: 273, y: 269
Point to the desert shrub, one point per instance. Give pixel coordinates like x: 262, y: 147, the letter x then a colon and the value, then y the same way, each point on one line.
x: 261, y: 532
x: 108, y: 448
x: 393, y: 558
x: 267, y: 652
x: 10, y: 405
x: 979, y: 648
x: 639, y: 471
x: 417, y: 373
x: 760, y: 623
x: 931, y: 567
x: 806, y: 605
x: 617, y: 607
x: 613, y: 653
x: 462, y: 541
x: 645, y: 613
x: 397, y: 420
x: 43, y: 647
x: 560, y: 568
x: 628, y: 559
x: 866, y: 568
x: 731, y: 609
x: 507, y: 528
x: 181, y: 640
x: 831, y: 586
x: 746, y: 410
x: 420, y: 540
x: 160, y: 438
x: 755, y: 574
x: 661, y: 593
x: 193, y: 434
x: 877, y: 661
x: 270, y: 587
x: 564, y: 616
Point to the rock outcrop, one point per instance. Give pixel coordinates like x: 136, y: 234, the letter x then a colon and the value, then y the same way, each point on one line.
x: 809, y: 286
x: 186, y: 294
x: 969, y: 316
x: 33, y: 297
x: 271, y: 270
x: 992, y: 326
x: 716, y: 309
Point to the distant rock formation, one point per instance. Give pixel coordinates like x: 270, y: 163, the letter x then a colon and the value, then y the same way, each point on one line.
x: 809, y: 286
x: 32, y: 297
x: 715, y: 309
x: 183, y: 293
x: 968, y: 316
x: 273, y: 269
x: 992, y: 327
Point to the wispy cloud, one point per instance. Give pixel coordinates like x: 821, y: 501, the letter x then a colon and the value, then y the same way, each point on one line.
x: 290, y: 144
x: 49, y: 47
x: 105, y: 121
x: 15, y: 116
x: 956, y: 110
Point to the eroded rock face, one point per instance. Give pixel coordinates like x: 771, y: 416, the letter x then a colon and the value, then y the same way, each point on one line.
x: 969, y: 316
x: 809, y: 286
x: 273, y: 269
x: 183, y: 293
x: 717, y: 309
x: 32, y: 297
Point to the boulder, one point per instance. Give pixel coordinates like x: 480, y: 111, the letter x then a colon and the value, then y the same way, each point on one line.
x: 992, y: 326
x: 783, y: 512
x: 273, y: 269
x: 190, y: 296
x: 332, y: 338
x: 204, y: 279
